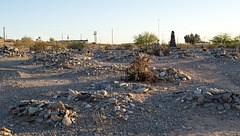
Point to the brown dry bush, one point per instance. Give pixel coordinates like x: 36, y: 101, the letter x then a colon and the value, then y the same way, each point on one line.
x: 139, y: 70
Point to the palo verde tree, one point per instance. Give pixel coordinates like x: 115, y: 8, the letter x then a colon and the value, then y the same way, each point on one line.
x: 145, y: 38
x: 222, y: 38
x: 192, y: 38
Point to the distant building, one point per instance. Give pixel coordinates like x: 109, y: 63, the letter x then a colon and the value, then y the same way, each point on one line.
x: 75, y: 41
x: 202, y: 43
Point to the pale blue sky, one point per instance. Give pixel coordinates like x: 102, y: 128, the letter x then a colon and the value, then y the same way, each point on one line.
x: 52, y: 18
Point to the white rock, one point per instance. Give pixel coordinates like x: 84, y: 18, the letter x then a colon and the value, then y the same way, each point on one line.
x: 198, y: 92
x: 141, y: 90
x: 162, y: 74
x: 88, y: 106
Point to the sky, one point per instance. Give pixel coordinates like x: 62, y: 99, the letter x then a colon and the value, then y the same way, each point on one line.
x: 80, y: 18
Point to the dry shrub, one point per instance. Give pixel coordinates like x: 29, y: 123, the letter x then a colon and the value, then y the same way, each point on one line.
x: 139, y: 70
x: 40, y: 45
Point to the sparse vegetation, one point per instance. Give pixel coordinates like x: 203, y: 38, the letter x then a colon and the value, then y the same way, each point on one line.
x: 25, y: 42
x: 139, y: 70
x: 76, y: 45
x: 40, y: 45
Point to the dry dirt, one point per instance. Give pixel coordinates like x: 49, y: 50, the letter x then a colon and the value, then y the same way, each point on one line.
x: 158, y: 113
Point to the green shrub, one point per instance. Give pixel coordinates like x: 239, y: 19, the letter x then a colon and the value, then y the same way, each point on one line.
x: 127, y: 46
x: 40, y: 45
x: 77, y: 45
x: 24, y: 42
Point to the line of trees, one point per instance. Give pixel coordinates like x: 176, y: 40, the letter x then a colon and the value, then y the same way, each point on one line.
x: 192, y: 38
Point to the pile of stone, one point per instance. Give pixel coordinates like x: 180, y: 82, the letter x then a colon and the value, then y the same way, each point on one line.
x: 170, y: 75
x: 120, y: 86
x: 212, y: 97
x: 184, y: 53
x: 111, y: 105
x: 100, y: 70
x: 62, y: 61
x: 116, y: 55
x: 44, y: 112
x: 11, y: 51
x: 222, y: 53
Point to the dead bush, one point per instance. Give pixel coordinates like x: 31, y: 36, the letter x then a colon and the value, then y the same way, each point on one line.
x: 139, y: 70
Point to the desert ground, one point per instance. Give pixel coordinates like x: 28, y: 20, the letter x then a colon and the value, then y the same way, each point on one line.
x: 195, y: 94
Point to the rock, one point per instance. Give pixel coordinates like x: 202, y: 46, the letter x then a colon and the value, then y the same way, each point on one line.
x: 10, y: 108
x: 198, y: 92
x: 104, y: 117
x: 130, y: 95
x: 32, y: 111
x: 207, y: 105
x: 129, y: 88
x: 162, y: 74
x: 109, y: 87
x: 67, y: 112
x: 56, y: 112
x: 88, y: 106
x: 130, y: 112
x: 99, y: 96
x: 66, y: 121
x: 237, y: 107
x: 189, y: 97
x: 103, y: 92
x: 72, y: 95
x: 220, y: 107
x: 236, y: 99
x: 226, y: 96
x: 123, y: 85
x: 227, y: 106
x: 117, y: 108
x: 5, y: 129
x: 141, y: 90
x: 208, y: 95
x: 216, y: 91
x: 56, y: 118
x: 200, y: 98
x: 15, y: 112
x: 39, y: 120
x: 58, y: 105
x: 112, y: 100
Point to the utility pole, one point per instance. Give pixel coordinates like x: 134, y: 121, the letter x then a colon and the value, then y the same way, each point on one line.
x: 4, y: 34
x: 68, y: 37
x: 158, y: 31
x: 112, y: 36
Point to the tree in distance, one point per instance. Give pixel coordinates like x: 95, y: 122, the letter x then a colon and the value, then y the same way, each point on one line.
x: 145, y: 38
x: 192, y: 39
x: 51, y: 39
x: 25, y: 42
x: 222, y: 38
